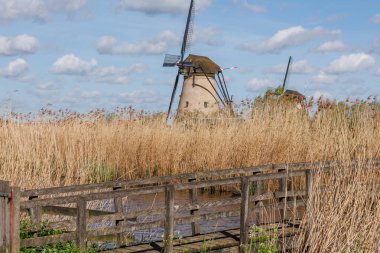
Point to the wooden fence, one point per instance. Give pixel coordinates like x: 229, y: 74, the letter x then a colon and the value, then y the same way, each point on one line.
x: 73, y: 202
x: 9, y: 218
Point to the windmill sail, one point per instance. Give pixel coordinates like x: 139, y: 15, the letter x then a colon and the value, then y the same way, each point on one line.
x: 186, y: 43
x: 286, y: 73
x: 171, y: 60
x: 185, y: 46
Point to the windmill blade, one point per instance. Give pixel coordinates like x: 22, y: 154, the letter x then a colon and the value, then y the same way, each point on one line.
x: 186, y: 42
x: 171, y: 60
x: 225, y: 86
x: 286, y: 74
x: 230, y: 68
x: 173, y: 94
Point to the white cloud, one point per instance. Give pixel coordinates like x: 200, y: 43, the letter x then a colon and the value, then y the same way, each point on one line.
x: 321, y: 94
x: 331, y: 46
x: 376, y: 46
x: 254, y: 7
x: 90, y: 94
x: 376, y: 19
x: 298, y: 67
x: 257, y: 85
x: 351, y: 63
x: 47, y: 88
x: 163, y: 6
x: 159, y: 45
x: 115, y: 75
x: 211, y: 36
x: 36, y: 9
x: 14, y: 9
x: 290, y: 37
x: 67, y: 5
x: 89, y: 70
x: 73, y: 65
x: 17, y: 70
x: 324, y: 78
x: 140, y: 97
x: 21, y: 44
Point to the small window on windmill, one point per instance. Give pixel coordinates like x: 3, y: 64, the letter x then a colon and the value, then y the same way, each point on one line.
x: 186, y: 104
x: 206, y: 104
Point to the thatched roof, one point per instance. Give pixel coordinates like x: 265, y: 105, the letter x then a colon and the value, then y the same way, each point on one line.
x: 294, y: 94
x: 202, y: 63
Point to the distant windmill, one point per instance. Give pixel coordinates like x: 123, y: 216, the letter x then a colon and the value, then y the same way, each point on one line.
x: 292, y: 94
x: 204, y: 88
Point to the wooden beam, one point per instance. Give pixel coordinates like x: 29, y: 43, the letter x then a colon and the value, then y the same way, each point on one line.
x: 14, y: 205
x: 81, y: 235
x: 244, y: 212
x: 169, y: 218
x: 193, y: 196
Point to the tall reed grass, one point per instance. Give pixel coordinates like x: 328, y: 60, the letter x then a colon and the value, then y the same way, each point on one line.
x: 74, y: 149
x: 65, y: 148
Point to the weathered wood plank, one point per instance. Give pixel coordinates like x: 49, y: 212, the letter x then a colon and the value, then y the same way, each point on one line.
x: 90, y: 197
x: 81, y: 235
x: 39, y: 241
x: 70, y: 211
x: 118, y: 206
x: 205, y: 217
x: 14, y: 205
x: 169, y: 218
x: 193, y: 197
x: 244, y: 212
x: 171, y: 179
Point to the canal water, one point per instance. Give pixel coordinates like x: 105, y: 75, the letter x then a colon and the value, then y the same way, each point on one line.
x: 135, y: 203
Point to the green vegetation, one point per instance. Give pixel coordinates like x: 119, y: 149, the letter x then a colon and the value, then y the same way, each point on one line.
x: 27, y: 230
x: 265, y: 240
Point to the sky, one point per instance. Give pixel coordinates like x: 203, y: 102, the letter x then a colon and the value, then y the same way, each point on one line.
x: 86, y: 54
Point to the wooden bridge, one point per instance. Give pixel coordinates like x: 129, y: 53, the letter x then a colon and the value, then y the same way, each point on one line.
x: 272, y: 198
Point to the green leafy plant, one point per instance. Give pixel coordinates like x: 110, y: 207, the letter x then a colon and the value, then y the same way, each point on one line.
x: 266, y: 240
x: 28, y: 230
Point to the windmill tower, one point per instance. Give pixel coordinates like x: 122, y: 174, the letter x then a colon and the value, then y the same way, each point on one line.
x: 204, y: 88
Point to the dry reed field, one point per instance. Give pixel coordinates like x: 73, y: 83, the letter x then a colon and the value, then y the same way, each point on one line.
x: 76, y: 149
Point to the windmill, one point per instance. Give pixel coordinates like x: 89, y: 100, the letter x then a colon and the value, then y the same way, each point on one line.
x: 204, y: 88
x: 292, y: 94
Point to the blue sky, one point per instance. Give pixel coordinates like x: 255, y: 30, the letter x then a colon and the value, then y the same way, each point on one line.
x: 87, y: 54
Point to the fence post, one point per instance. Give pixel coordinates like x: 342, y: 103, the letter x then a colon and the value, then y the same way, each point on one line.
x: 169, y: 218
x: 309, y: 206
x: 14, y: 205
x: 244, y: 211
x: 81, y: 233
x: 118, y: 204
x: 193, y: 195
x: 258, y: 190
x: 309, y: 182
x: 35, y: 213
x: 4, y: 217
x: 283, y: 188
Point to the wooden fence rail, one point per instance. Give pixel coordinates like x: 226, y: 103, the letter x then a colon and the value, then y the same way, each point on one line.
x: 73, y: 202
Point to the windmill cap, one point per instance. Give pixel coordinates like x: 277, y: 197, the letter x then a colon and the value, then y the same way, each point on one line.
x: 203, y: 62
x: 294, y: 94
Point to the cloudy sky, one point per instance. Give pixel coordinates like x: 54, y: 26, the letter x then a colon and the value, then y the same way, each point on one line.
x: 86, y: 54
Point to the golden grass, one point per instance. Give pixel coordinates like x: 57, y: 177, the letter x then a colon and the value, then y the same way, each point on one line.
x: 345, y: 215
x: 72, y: 150
x: 78, y: 149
